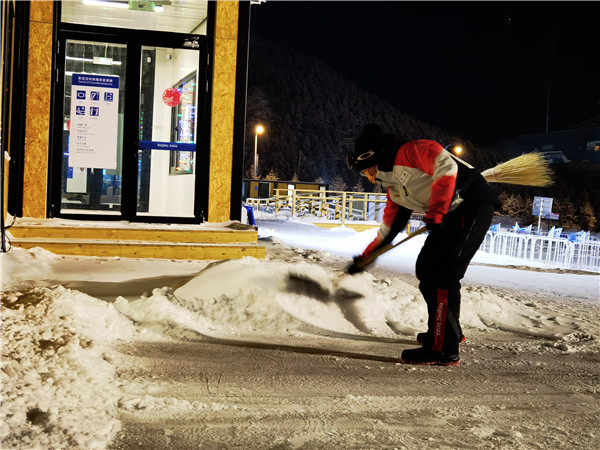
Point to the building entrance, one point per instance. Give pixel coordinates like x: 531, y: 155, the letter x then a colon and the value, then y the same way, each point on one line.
x: 133, y: 127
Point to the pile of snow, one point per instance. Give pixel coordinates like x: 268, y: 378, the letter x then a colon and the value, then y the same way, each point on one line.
x: 58, y: 379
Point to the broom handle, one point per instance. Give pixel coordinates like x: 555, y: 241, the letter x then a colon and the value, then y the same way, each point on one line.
x: 386, y: 248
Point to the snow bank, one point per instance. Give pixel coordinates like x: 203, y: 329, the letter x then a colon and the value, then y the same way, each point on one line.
x: 58, y: 380
x: 253, y: 297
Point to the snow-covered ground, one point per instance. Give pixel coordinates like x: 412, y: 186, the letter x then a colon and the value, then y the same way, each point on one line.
x: 129, y: 353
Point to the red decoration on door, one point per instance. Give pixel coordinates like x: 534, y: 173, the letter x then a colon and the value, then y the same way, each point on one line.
x: 171, y: 97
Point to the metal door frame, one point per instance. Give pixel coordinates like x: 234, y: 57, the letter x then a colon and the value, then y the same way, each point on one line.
x: 134, y: 40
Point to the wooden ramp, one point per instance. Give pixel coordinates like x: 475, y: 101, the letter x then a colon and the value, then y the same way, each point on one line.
x: 231, y: 240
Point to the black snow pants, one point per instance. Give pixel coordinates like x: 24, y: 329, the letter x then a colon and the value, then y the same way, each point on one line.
x: 441, y: 265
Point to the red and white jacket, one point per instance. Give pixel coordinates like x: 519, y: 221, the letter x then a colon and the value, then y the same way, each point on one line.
x: 423, y: 177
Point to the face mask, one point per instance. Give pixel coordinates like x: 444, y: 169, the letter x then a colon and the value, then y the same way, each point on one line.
x: 370, y: 177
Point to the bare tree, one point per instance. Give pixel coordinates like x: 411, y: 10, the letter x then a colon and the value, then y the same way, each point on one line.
x: 338, y: 184
x: 272, y: 175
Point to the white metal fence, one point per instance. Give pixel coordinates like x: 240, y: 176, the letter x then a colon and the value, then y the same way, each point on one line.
x: 556, y: 251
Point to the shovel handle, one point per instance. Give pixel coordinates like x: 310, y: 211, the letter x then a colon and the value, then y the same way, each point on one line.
x: 386, y: 248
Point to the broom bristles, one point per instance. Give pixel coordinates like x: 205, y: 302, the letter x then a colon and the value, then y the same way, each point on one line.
x: 529, y: 169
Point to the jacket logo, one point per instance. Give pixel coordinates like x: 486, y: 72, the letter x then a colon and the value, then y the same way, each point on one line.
x: 405, y: 177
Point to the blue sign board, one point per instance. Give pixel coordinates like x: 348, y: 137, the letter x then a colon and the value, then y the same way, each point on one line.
x: 173, y: 146
x: 94, y: 126
x: 541, y: 205
x: 105, y: 81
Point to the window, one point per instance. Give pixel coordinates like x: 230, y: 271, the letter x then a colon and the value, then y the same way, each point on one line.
x: 92, y: 130
x: 183, y: 124
x: 183, y: 16
x: 593, y: 146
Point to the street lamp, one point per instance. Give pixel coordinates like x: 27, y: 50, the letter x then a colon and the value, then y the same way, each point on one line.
x: 458, y: 150
x: 258, y: 130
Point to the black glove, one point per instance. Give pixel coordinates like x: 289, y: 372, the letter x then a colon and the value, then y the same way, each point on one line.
x: 354, y: 267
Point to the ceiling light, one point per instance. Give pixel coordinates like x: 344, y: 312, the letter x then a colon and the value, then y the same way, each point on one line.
x: 98, y: 60
x: 106, y: 4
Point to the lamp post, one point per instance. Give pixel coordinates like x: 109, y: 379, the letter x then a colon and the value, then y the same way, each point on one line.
x: 258, y: 130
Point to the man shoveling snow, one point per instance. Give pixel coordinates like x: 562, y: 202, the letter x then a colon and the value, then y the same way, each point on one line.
x: 459, y: 207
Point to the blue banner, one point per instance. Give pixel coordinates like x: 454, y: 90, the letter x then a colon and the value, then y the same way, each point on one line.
x: 172, y: 146
x: 106, y: 81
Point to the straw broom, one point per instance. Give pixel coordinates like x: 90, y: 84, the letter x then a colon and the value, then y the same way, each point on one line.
x: 529, y: 169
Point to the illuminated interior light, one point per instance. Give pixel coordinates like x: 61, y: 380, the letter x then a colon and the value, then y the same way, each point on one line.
x: 106, y: 4
x: 76, y: 58
x: 105, y: 63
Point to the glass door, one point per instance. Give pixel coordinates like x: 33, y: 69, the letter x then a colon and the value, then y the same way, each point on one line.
x: 167, y: 132
x: 129, y: 124
x: 92, y: 127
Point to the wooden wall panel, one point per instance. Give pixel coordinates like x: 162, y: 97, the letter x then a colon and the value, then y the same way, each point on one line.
x: 223, y: 108
x: 37, y: 122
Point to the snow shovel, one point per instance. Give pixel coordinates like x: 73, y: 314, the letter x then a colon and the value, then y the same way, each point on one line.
x: 386, y: 248
x: 301, y: 284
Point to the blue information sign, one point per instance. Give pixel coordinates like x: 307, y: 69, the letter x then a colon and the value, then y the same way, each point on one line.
x: 174, y: 146
x: 541, y: 205
x: 107, y: 81
x: 94, y: 121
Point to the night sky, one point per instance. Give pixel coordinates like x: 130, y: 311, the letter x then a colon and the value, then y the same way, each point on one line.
x: 480, y: 70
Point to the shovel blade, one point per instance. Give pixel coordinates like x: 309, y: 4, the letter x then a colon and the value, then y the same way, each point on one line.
x: 303, y: 285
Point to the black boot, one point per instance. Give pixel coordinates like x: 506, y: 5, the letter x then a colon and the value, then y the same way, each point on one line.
x: 425, y: 356
x: 422, y: 338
